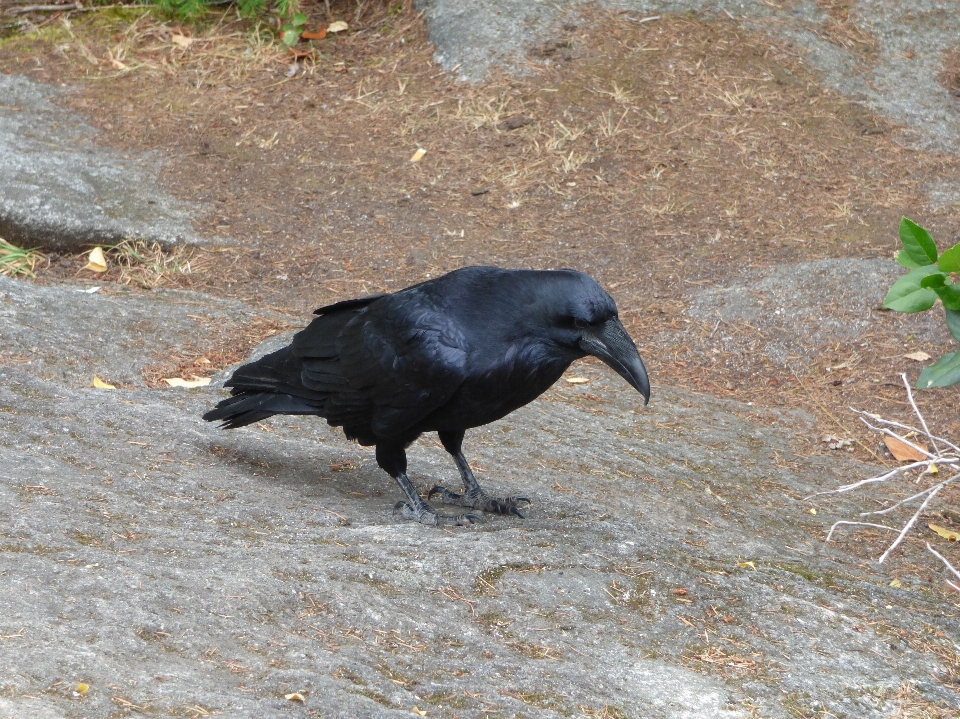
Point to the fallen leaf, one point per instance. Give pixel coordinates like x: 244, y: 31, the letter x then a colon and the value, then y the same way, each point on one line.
x: 319, y: 35
x: 295, y: 697
x: 933, y: 469
x: 919, y: 356
x: 338, y: 26
x: 576, y: 380
x: 181, y: 40
x: 188, y: 383
x: 945, y: 533
x: 747, y: 564
x: 80, y: 690
x: 896, y: 583
x: 902, y: 450
x: 812, y: 510
x: 96, y: 260
x: 100, y: 384
x: 418, y: 155
x: 680, y: 592
x: 419, y: 712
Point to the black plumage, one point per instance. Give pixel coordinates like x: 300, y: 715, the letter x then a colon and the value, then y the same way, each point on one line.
x: 448, y: 354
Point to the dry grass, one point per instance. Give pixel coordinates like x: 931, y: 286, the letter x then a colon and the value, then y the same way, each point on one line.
x: 661, y: 158
x: 910, y: 705
x: 950, y: 73
x: 150, y: 265
x: 841, y: 29
x: 15, y: 261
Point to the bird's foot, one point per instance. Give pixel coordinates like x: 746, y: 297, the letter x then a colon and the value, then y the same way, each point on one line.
x: 478, y: 499
x: 425, y: 514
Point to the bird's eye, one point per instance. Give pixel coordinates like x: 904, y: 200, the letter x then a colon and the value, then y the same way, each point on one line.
x: 579, y: 323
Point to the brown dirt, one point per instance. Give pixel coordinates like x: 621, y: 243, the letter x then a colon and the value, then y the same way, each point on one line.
x: 950, y: 75
x: 841, y: 29
x: 659, y: 157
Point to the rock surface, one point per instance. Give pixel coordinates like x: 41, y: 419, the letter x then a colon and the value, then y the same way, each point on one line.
x: 668, y: 567
x: 906, y: 43
x: 67, y: 333
x: 790, y: 314
x: 59, y: 190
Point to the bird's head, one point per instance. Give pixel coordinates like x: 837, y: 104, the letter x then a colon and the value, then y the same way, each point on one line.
x: 583, y: 319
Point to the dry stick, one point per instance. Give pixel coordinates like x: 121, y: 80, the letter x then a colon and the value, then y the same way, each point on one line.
x: 934, y: 488
x: 873, y: 480
x: 916, y: 411
x: 928, y: 493
x: 891, y: 433
x: 949, y: 566
x: 838, y: 422
x: 76, y: 7
x: 859, y: 524
x: 907, y: 427
x: 908, y: 526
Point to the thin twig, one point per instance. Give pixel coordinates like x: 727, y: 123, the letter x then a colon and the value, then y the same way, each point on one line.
x: 859, y: 524
x: 934, y: 488
x: 886, y: 510
x: 891, y: 433
x: 908, y: 526
x: 944, y: 560
x: 715, y: 329
x: 937, y: 457
x: 907, y: 427
x: 873, y: 480
x: 916, y: 411
x: 73, y: 7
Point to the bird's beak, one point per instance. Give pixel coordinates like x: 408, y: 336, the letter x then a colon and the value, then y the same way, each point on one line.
x: 612, y: 345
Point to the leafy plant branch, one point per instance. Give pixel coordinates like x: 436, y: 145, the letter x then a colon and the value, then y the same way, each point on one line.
x: 932, y: 277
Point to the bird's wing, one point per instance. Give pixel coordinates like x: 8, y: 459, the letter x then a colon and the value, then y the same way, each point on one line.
x: 321, y: 370
x: 356, y: 304
x: 405, y: 356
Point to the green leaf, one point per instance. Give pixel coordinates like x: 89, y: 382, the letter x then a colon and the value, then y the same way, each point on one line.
x: 947, y: 292
x: 904, y: 259
x: 918, y: 301
x: 290, y: 36
x: 934, y: 280
x: 945, y: 372
x: 953, y: 324
x: 907, y: 295
x: 949, y: 295
x: 299, y: 20
x: 950, y: 260
x: 249, y: 8
x: 917, y: 243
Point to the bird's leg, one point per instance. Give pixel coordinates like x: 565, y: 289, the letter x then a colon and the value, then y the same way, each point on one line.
x: 393, y: 460
x: 473, y: 495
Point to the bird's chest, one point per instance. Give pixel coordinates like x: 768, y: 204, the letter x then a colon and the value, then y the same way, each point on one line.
x: 488, y: 396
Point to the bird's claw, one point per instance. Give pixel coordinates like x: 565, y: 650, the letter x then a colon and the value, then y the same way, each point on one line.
x: 481, y: 500
x: 447, y: 497
x: 425, y: 514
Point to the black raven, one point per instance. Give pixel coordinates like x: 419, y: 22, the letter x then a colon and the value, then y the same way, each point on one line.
x: 442, y: 356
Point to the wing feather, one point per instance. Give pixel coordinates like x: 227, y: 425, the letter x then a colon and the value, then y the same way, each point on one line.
x: 406, y: 356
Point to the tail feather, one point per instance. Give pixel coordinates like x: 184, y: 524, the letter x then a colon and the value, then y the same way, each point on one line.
x: 249, y: 407
x: 302, y: 378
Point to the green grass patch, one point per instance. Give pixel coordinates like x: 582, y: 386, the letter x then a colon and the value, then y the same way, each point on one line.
x: 16, y: 261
